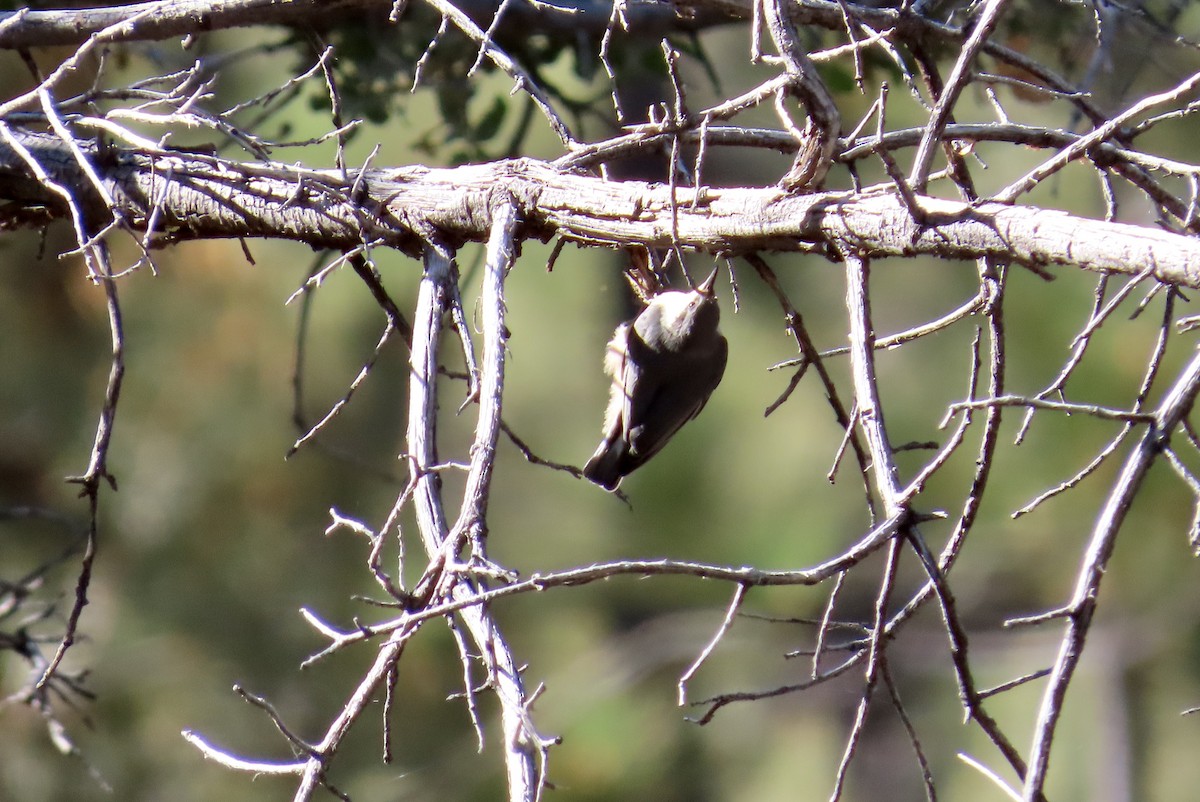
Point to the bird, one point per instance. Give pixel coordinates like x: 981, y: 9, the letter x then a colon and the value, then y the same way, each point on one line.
x: 664, y: 364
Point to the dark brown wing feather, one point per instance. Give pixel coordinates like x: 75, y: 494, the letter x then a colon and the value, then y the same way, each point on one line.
x: 657, y: 412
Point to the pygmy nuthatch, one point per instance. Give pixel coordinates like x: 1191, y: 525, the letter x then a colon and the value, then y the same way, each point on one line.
x: 664, y: 365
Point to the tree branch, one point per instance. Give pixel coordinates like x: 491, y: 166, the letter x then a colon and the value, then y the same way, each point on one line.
x: 1175, y: 406
x: 197, y: 196
x: 175, y: 18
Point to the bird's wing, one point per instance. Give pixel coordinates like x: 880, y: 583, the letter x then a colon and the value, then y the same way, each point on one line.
x: 605, y: 468
x: 717, y: 371
x: 660, y: 408
x: 623, y: 371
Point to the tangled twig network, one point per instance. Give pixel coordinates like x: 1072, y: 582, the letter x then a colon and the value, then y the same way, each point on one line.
x: 905, y: 179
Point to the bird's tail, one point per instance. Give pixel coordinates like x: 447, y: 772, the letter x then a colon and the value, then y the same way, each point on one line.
x: 604, y: 468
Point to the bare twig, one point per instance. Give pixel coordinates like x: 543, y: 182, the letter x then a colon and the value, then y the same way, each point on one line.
x: 1175, y: 405
x: 959, y: 77
x: 735, y: 604
x: 816, y: 143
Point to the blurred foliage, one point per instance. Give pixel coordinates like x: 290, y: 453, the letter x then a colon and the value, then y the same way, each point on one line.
x: 376, y: 71
x: 214, y: 540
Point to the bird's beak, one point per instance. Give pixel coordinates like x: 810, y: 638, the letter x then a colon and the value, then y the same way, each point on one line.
x: 706, y: 287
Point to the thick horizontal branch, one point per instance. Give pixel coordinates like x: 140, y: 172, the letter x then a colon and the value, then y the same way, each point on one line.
x: 195, y: 196
x: 153, y: 21
x: 160, y: 20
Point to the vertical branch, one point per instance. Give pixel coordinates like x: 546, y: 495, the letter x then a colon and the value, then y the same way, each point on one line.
x: 524, y: 751
x: 432, y: 299
x: 491, y: 386
x: 893, y: 497
x: 866, y: 386
x: 992, y: 281
x: 883, y: 465
x: 991, y: 292
x: 1174, y: 407
x: 97, y: 256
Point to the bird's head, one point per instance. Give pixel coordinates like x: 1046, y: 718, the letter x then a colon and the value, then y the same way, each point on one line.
x: 677, y: 317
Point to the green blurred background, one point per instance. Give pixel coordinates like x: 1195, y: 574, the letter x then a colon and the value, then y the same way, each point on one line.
x: 214, y: 541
